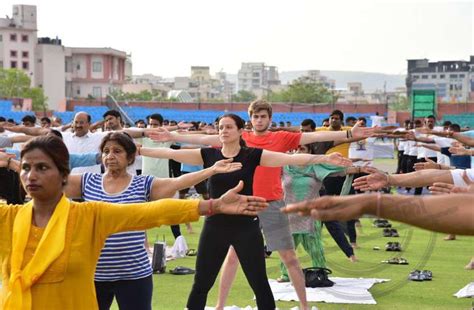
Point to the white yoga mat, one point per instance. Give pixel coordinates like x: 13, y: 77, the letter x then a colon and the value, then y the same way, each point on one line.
x: 344, y: 291
x: 466, y: 292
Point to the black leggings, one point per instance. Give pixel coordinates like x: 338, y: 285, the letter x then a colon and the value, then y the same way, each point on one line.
x: 130, y: 294
x: 419, y: 190
x: 213, y: 247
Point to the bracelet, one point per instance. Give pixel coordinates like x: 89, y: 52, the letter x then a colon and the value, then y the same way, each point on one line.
x: 210, y: 212
x: 347, y: 134
x: 139, y: 151
x: 143, y: 133
x: 8, y: 163
x: 388, y: 178
x: 350, y: 133
x: 439, y: 167
x: 379, y: 202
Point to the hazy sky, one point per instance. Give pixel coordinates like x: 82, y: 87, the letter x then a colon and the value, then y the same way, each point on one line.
x: 167, y: 37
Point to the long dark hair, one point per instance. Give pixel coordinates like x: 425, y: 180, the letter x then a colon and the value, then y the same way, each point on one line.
x: 239, y: 122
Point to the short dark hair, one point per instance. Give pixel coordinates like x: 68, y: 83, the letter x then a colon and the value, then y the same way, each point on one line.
x: 56, y: 133
x: 2, y: 119
x: 46, y: 119
x: 325, y: 120
x: 156, y: 117
x: 29, y: 118
x: 54, y: 148
x: 113, y: 113
x: 455, y: 127
x: 140, y: 121
x: 431, y: 116
x: 361, y: 118
x: 124, y: 140
x: 339, y: 113
x: 309, y: 122
x: 350, y: 118
x: 446, y: 123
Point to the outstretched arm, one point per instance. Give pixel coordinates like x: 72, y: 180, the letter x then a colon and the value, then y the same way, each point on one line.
x: 421, y: 178
x: 165, y: 136
x: 276, y: 159
x: 187, y: 156
x: 452, y: 214
x: 165, y: 188
x: 321, y: 136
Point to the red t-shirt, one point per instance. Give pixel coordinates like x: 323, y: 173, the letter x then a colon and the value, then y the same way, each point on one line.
x: 267, y: 180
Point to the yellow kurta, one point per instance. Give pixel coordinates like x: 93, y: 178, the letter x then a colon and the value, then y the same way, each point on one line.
x: 68, y: 283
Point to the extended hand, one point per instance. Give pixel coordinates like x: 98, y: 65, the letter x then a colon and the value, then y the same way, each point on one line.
x: 370, y: 182
x: 362, y: 132
x: 233, y: 203
x: 226, y: 166
x: 329, y: 208
x: 160, y: 135
x: 429, y: 164
x: 338, y: 160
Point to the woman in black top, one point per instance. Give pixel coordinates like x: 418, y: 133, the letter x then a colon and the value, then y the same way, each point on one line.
x: 242, y: 232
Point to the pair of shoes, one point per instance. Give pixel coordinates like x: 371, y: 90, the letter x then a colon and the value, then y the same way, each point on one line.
x: 417, y: 275
x: 393, y: 246
x: 449, y: 237
x: 180, y: 270
x: 191, y: 252
x: 390, y: 232
x: 380, y: 223
x: 396, y: 261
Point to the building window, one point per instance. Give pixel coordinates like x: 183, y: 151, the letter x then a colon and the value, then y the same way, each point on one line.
x: 25, y: 65
x: 453, y: 76
x: 24, y: 38
x: 13, y: 53
x: 442, y: 76
x: 78, y: 67
x: 96, y: 66
x: 424, y: 77
x: 433, y: 76
x: 97, y: 92
x: 78, y: 91
x: 461, y: 76
x: 13, y: 64
x: 1, y: 38
x: 416, y: 77
x: 24, y: 54
x: 13, y: 37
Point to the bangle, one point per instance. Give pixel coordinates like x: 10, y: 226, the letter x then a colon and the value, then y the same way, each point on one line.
x: 388, y: 179
x: 210, y: 212
x: 379, y: 202
x: 143, y: 133
x: 139, y: 151
x: 347, y: 134
x: 8, y: 163
x: 439, y: 167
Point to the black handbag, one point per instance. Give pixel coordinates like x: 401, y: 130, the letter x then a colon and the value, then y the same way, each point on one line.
x: 317, y: 277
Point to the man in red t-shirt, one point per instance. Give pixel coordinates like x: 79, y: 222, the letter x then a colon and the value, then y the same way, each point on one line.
x: 267, y: 184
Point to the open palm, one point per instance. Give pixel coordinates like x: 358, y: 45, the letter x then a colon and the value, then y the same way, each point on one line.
x: 233, y: 203
x: 226, y: 166
x: 369, y: 182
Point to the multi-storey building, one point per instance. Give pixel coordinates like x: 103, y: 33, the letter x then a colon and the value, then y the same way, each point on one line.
x: 255, y: 76
x: 453, y: 81
x: 62, y: 72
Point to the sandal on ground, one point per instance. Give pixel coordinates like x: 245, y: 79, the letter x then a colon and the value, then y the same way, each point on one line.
x: 180, y: 270
x: 427, y: 275
x: 387, y: 232
x: 191, y: 252
x: 394, y: 233
x: 396, y: 261
x: 283, y: 279
x: 415, y: 275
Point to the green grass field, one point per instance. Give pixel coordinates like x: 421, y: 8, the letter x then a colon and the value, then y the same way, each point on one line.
x: 424, y: 250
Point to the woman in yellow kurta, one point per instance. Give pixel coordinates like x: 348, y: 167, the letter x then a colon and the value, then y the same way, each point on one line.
x: 49, y: 246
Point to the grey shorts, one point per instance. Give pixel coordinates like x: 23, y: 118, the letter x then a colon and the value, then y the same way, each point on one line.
x: 276, y: 227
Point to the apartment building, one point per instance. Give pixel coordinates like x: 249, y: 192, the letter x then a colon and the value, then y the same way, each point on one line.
x: 62, y: 72
x: 255, y: 76
x: 453, y: 81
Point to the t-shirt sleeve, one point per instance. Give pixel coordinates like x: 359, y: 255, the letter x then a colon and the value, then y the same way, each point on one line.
x: 256, y: 155
x: 445, y: 151
x: 323, y: 170
x: 208, y: 156
x: 290, y: 140
x: 5, y: 142
x: 457, y: 175
x: 83, y: 160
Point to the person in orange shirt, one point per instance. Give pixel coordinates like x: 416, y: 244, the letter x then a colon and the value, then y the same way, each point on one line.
x: 49, y: 247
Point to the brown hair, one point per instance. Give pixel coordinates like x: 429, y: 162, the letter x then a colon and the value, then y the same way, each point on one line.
x: 54, y: 148
x: 260, y: 105
x: 124, y: 140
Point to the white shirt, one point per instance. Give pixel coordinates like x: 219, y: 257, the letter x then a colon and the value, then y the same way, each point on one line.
x: 423, y: 151
x: 458, y: 179
x: 377, y: 120
x: 443, y: 142
x: 88, y: 143
x: 363, y: 149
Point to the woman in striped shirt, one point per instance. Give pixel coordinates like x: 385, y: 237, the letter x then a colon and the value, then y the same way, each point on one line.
x: 123, y: 270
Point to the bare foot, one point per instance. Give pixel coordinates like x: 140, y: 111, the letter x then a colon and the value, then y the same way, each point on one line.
x: 353, y: 259
x: 450, y: 237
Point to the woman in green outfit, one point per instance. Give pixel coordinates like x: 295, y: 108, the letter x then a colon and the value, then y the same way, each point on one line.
x: 303, y: 183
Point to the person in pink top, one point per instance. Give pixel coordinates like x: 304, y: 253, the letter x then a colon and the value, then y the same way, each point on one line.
x: 267, y: 184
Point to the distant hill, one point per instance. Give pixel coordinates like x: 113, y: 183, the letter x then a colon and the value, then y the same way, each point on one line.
x: 371, y: 81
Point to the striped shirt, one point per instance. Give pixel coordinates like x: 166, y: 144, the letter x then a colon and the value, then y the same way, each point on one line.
x: 124, y: 256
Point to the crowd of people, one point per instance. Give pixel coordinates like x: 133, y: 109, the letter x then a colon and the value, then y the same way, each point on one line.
x: 78, y: 198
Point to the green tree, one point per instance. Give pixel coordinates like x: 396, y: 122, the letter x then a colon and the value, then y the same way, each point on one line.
x: 243, y: 96
x: 15, y: 83
x: 303, y: 90
x: 401, y: 104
